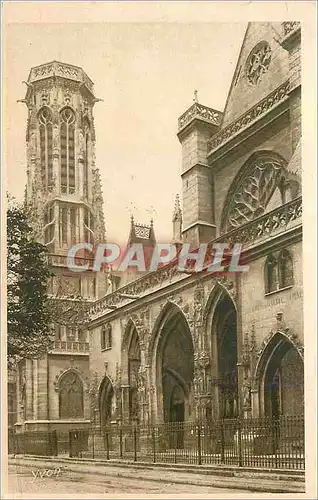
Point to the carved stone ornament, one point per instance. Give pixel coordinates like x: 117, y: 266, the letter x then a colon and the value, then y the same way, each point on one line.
x: 254, y: 113
x: 251, y: 192
x: 258, y: 62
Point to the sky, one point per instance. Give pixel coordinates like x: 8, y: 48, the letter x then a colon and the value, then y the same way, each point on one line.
x: 145, y: 75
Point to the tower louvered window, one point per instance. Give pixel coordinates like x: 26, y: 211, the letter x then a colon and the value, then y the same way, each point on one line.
x: 46, y: 138
x: 67, y: 151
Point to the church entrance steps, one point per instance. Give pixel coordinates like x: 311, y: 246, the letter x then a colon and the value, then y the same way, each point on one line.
x: 256, y: 480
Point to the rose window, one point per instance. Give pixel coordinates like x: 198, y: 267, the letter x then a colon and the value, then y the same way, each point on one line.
x: 258, y: 62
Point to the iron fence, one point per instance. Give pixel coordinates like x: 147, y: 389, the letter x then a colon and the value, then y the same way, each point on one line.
x: 259, y: 442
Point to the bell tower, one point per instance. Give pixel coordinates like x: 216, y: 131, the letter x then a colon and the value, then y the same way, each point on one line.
x: 63, y: 184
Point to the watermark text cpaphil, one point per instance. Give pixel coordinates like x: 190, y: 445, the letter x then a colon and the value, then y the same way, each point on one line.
x: 211, y: 258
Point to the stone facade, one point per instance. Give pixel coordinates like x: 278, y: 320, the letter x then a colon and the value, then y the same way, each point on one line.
x: 188, y: 346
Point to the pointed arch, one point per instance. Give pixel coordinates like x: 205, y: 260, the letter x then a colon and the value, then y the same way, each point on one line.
x: 169, y: 310
x: 171, y: 355
x: 218, y: 292
x: 252, y: 188
x: 128, y: 331
x: 71, y: 395
x: 45, y: 118
x: 219, y: 322
x: 67, y: 138
x: 131, y: 363
x: 279, y: 376
x: 105, y: 398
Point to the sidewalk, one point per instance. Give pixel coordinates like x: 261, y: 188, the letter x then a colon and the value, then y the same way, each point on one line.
x: 265, y: 481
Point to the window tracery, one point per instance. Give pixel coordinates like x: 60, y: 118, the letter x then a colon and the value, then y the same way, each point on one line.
x: 46, y: 139
x: 258, y: 62
x: 67, y: 117
x: 71, y: 396
x: 253, y: 188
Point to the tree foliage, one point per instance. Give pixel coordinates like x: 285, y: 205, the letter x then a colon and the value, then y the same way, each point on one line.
x: 28, y: 312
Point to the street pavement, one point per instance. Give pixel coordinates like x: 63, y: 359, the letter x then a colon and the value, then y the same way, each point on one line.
x: 22, y: 481
x: 28, y: 475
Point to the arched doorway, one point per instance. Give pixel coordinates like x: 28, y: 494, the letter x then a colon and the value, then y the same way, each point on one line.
x: 105, y: 402
x: 283, y: 379
x: 225, y: 343
x: 174, y: 367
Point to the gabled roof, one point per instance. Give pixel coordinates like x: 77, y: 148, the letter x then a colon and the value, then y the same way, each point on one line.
x: 262, y: 66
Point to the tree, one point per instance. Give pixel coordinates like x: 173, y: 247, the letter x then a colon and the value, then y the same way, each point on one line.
x: 28, y: 313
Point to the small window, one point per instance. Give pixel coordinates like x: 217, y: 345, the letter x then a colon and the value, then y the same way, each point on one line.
x: 271, y: 274
x: 278, y: 271
x: 106, y: 337
x: 285, y: 269
x: 103, y: 338
x: 109, y: 336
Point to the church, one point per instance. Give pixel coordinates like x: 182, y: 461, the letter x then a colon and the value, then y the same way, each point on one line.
x: 169, y: 346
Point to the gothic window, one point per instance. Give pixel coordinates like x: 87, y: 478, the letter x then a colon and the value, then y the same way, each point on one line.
x: 109, y: 336
x: 106, y: 337
x: 49, y: 224
x: 67, y: 150
x: 253, y: 189
x: 71, y: 396
x: 103, y: 338
x: 258, y: 62
x: 88, y: 226
x: 271, y: 274
x: 46, y: 135
x: 285, y: 267
x: 278, y: 271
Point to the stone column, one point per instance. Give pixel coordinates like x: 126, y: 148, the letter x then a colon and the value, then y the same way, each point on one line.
x: 125, y: 402
x: 255, y: 402
x: 42, y: 388
x: 239, y: 337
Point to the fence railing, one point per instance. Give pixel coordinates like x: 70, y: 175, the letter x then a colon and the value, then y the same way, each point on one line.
x: 259, y: 442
